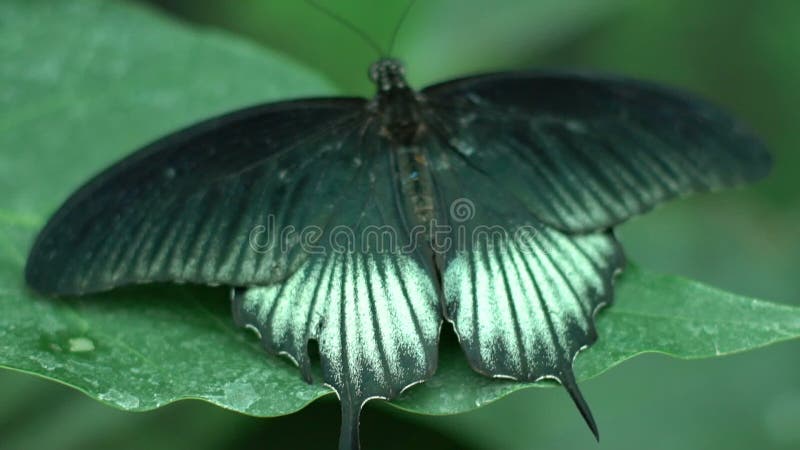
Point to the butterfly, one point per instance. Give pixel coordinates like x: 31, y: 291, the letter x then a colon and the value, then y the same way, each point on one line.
x: 487, y: 202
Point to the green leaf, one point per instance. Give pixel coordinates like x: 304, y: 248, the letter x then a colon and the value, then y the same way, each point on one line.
x: 86, y: 82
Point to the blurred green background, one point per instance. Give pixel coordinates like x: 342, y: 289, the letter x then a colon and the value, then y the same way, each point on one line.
x: 744, y: 54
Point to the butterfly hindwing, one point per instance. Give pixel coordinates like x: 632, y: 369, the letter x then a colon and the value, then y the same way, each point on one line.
x: 586, y: 153
x: 521, y: 294
x: 524, y: 307
x: 365, y: 295
x: 375, y: 317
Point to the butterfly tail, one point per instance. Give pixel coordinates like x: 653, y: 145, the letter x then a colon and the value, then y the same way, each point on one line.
x: 349, y: 434
x: 569, y: 383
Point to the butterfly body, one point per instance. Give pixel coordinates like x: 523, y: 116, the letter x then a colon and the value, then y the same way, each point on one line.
x: 404, y: 116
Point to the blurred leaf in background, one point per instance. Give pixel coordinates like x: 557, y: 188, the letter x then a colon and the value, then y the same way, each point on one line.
x: 439, y: 39
x: 739, y: 53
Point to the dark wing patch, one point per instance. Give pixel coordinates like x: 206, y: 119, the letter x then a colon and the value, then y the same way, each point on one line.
x: 188, y: 207
x: 366, y: 296
x: 586, y: 153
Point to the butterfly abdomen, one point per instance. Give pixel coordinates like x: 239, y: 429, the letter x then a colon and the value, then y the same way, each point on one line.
x: 415, y: 184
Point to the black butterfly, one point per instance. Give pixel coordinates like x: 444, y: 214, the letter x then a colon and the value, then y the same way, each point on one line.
x: 523, y: 174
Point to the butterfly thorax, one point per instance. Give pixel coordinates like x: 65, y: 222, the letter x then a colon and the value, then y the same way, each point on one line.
x: 398, y: 107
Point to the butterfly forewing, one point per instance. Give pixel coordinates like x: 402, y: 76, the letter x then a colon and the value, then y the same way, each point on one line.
x: 585, y: 153
x: 196, y: 206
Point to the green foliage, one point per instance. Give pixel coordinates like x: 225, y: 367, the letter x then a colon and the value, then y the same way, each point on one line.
x: 83, y: 84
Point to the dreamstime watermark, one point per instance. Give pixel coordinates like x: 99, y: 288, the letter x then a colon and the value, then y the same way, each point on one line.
x: 459, y: 232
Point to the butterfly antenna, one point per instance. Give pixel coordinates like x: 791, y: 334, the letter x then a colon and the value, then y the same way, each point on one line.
x: 399, y: 23
x: 347, y: 24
